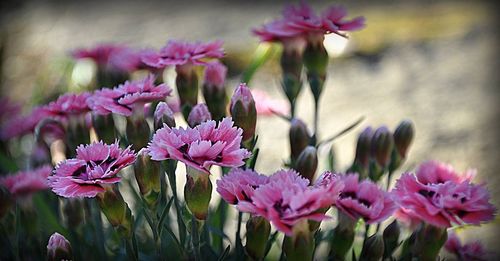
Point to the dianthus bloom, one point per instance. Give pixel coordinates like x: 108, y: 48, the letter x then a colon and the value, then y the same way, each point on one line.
x: 472, y: 251
x: 23, y: 124
x: 441, y: 197
x: 124, y: 98
x: 239, y: 185
x: 68, y: 105
x: 95, y: 166
x: 112, y: 56
x: 364, y: 200
x: 25, y: 183
x: 287, y: 199
x: 300, y: 21
x: 180, y: 53
x: 200, y: 147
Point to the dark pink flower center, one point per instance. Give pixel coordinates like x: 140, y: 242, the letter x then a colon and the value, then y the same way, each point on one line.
x: 353, y: 195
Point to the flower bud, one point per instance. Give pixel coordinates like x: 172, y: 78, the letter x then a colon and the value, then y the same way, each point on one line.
x: 163, y: 115
x: 197, y: 192
x: 316, y: 62
x: 198, y: 115
x: 391, y: 238
x: 291, y: 67
x: 363, y: 147
x: 381, y: 146
x: 214, y: 91
x: 403, y: 136
x: 187, y: 87
x: 138, y: 132
x: 58, y: 248
x: 428, y: 242
x: 373, y: 248
x: 258, y: 230
x: 116, y: 211
x: 307, y: 163
x: 104, y: 127
x: 243, y: 111
x: 147, y: 174
x: 343, y: 237
x: 299, y: 246
x: 299, y: 137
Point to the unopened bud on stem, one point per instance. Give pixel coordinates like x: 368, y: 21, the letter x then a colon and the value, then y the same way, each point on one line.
x: 58, y: 248
x: 243, y: 111
x: 198, y: 114
x: 307, y: 163
x: 258, y: 229
x: 197, y: 192
x: 214, y: 91
x: 163, y: 115
x: 187, y: 87
x: 299, y: 138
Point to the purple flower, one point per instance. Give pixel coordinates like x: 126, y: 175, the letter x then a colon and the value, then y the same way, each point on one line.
x: 471, y: 251
x: 95, y: 166
x: 58, y: 248
x: 180, y: 53
x: 25, y: 183
x: 364, y: 200
x: 198, y: 114
x: 22, y: 125
x: 441, y: 197
x: 200, y: 147
x: 239, y: 185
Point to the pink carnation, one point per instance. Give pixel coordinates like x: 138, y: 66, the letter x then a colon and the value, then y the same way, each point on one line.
x: 113, y: 56
x: 22, y: 125
x: 200, y: 147
x: 68, y: 105
x: 286, y: 199
x: 122, y: 99
x: 364, y: 200
x: 434, y: 172
x: 443, y: 198
x: 95, y: 166
x: 333, y: 21
x: 179, y: 53
x: 266, y: 106
x: 239, y: 185
x: 472, y: 251
x: 24, y: 183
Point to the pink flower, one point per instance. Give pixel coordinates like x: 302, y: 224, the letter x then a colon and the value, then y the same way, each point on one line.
x: 267, y: 106
x: 364, y: 200
x: 58, y: 248
x: 24, y: 183
x: 113, y: 56
x: 450, y: 200
x: 179, y: 53
x: 68, y: 105
x: 472, y: 251
x: 22, y: 125
x: 215, y: 75
x: 124, y: 98
x: 200, y: 147
x: 8, y: 109
x: 198, y: 114
x: 95, y: 166
x: 434, y: 172
x: 333, y: 21
x: 286, y: 199
x: 239, y: 185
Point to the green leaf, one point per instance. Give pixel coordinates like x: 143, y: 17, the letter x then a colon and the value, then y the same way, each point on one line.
x: 164, y: 214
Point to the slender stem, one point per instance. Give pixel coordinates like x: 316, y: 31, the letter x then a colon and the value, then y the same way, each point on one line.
x: 129, y: 247
x: 195, y: 237
x: 178, y: 209
x: 367, y: 228
x: 238, y: 230
x: 316, y: 120
x: 96, y: 215
x: 16, y: 240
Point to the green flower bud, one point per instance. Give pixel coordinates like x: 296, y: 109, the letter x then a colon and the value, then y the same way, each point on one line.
x: 116, y: 211
x: 187, y: 87
x: 299, y: 138
x: 316, y: 62
x: 381, y: 146
x: 307, y: 163
x: 299, y: 246
x: 291, y: 67
x: 428, y: 242
x: 258, y: 230
x: 373, y: 249
x: 214, y: 91
x: 147, y: 174
x: 197, y: 192
x: 104, y: 127
x: 243, y: 111
x: 138, y: 132
x: 163, y: 115
x: 343, y: 237
x: 363, y: 147
x: 391, y: 238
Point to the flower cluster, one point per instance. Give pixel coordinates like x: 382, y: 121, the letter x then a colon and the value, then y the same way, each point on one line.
x: 95, y: 166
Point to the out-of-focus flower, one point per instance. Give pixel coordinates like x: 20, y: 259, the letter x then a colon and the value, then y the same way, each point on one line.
x: 8, y: 109
x: 441, y: 197
x: 179, y: 53
x: 333, y: 21
x: 215, y: 75
x: 112, y: 56
x: 267, y: 106
x: 95, y: 166
x: 25, y: 183
x: 287, y: 199
x: 58, y: 248
x: 471, y: 251
x: 202, y: 146
x: 214, y: 91
x: 198, y: 114
x: 364, y: 200
x: 299, y: 137
x: 22, y: 125
x: 68, y: 105
x: 239, y: 185
x: 243, y: 110
x: 128, y: 96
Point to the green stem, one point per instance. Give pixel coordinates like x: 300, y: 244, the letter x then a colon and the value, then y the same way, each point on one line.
x: 129, y: 247
x: 178, y: 209
x: 239, y: 246
x: 195, y: 237
x: 316, y: 121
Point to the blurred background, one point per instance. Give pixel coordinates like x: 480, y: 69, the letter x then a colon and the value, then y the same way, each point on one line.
x: 434, y: 62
